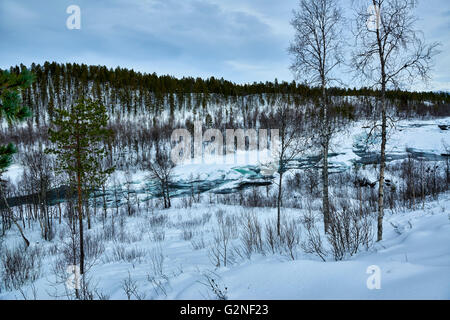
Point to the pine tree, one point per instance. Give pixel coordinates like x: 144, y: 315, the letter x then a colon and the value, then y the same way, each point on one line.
x: 12, y: 109
x: 78, y: 136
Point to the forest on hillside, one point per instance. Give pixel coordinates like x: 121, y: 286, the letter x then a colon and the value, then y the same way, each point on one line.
x: 142, y: 107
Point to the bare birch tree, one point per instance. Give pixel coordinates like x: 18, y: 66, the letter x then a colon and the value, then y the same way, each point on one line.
x: 389, y: 52
x: 317, y: 51
x: 292, y: 143
x: 161, y: 170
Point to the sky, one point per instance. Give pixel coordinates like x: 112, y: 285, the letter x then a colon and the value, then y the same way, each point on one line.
x: 240, y: 40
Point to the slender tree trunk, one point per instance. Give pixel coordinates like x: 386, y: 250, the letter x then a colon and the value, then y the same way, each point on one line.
x: 168, y: 195
x: 382, y: 162
x: 11, y: 215
x: 59, y: 211
x: 325, y: 145
x: 325, y: 197
x: 95, y: 202
x: 279, y: 203
x: 164, y: 193
x: 104, y: 201
x: 360, y: 201
x: 88, y: 213
x: 80, y: 212
x: 446, y: 172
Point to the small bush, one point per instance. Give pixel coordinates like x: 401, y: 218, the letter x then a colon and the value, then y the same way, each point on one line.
x: 157, y: 220
x: 158, y: 235
x: 251, y: 235
x: 187, y: 234
x: 290, y: 237
x: 20, y: 266
x: 349, y: 232
x: 198, y: 244
x: 313, y: 243
x: 157, y: 261
x: 122, y: 253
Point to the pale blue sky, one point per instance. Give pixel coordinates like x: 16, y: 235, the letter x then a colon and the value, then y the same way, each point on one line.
x: 240, y: 40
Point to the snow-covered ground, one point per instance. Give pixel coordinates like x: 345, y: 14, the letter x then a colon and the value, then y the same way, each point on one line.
x: 405, y: 136
x: 414, y: 260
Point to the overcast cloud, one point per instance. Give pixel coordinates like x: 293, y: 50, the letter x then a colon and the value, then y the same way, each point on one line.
x: 240, y: 40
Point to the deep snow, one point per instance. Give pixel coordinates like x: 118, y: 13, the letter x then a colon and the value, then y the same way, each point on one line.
x: 414, y: 259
